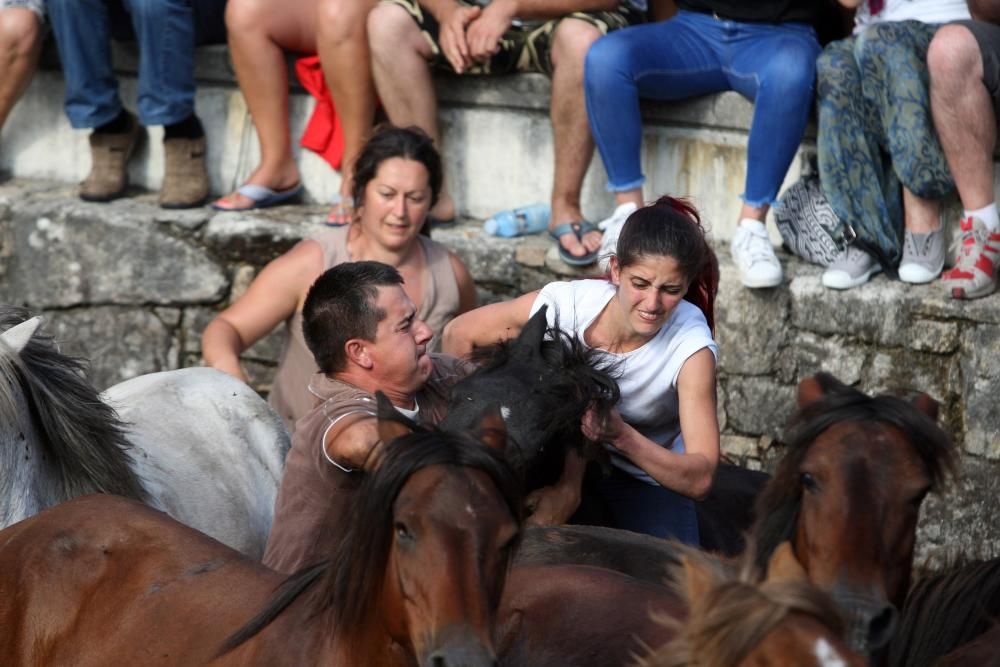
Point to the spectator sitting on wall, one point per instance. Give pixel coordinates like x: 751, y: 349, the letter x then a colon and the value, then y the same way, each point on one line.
x: 964, y: 63
x: 166, y: 32
x: 409, y: 38
x: 22, y: 24
x: 880, y: 164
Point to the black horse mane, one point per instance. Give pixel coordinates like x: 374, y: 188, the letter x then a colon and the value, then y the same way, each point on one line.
x: 349, y: 583
x: 778, y: 505
x: 571, y: 378
x: 946, y: 610
x: 82, y: 435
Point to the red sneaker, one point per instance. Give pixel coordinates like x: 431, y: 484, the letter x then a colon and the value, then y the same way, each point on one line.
x: 974, y: 274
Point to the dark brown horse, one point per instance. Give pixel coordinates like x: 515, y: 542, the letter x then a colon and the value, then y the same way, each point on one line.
x: 106, y: 581
x: 946, y: 613
x: 847, y: 495
x: 734, y: 621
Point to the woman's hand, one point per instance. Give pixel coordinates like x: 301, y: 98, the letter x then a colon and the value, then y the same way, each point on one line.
x: 607, y: 431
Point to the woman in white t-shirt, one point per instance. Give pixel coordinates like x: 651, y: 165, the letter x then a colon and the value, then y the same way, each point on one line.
x: 653, y: 316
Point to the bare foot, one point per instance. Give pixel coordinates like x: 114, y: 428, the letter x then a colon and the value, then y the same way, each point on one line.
x: 591, y: 241
x: 277, y: 180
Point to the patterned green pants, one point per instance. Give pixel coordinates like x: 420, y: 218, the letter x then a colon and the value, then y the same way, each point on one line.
x: 876, y: 132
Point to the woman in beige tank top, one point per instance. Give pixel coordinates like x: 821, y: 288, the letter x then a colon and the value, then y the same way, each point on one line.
x: 397, y: 179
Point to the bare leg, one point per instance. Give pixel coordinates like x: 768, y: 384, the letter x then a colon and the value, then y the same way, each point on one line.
x: 20, y: 45
x: 259, y: 33
x: 400, y: 57
x: 343, y: 51
x: 753, y: 212
x: 920, y: 216
x: 629, y: 197
x: 574, y: 145
x: 963, y: 113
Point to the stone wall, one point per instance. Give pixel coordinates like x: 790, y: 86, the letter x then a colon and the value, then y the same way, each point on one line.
x: 131, y: 287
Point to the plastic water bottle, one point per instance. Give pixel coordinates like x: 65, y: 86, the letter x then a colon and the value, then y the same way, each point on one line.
x: 519, y: 221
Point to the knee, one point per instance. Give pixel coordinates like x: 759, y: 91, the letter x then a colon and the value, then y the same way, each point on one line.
x: 342, y: 20
x: 244, y: 16
x: 572, y: 40
x: 953, y: 54
x: 605, y: 58
x: 791, y: 73
x: 390, y: 30
x: 20, y: 32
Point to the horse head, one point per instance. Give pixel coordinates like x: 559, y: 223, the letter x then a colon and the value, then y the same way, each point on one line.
x: 543, y: 381
x: 848, y: 497
x: 442, y: 513
x: 736, y: 619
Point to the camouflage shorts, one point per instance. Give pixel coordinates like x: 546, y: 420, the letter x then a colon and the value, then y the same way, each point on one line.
x: 37, y: 6
x: 526, y: 46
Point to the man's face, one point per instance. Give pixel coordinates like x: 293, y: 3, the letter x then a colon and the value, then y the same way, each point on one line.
x: 400, y: 362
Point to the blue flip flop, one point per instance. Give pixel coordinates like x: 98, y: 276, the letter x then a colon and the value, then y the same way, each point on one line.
x: 261, y: 196
x: 578, y: 229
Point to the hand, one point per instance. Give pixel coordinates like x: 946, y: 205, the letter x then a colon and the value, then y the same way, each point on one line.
x: 607, y: 430
x: 551, y: 505
x: 452, y: 39
x: 484, y: 33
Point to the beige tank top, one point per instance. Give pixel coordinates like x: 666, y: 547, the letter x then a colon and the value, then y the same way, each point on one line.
x: 290, y: 395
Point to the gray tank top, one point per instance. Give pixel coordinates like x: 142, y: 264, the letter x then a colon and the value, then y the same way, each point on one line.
x: 290, y: 395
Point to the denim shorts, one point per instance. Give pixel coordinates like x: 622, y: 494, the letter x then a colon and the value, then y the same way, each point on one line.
x: 988, y: 37
x: 37, y: 6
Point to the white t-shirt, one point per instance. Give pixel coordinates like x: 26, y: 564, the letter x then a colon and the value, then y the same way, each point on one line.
x: 925, y: 11
x: 647, y: 376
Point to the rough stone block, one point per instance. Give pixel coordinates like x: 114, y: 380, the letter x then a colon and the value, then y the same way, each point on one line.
x: 811, y: 353
x: 757, y: 405
x: 261, y: 235
x: 68, y: 253
x: 751, y: 325
x: 120, y: 343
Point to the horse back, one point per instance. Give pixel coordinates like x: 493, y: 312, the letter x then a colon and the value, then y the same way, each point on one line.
x: 578, y: 616
x: 102, y: 580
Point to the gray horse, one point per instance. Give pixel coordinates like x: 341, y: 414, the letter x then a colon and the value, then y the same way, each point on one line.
x: 194, y: 443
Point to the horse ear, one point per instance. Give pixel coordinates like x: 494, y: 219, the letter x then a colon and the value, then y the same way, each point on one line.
x: 784, y: 566
x: 391, y: 423
x: 18, y: 335
x: 529, y: 341
x: 927, y: 405
x: 698, y: 578
x: 492, y: 429
x: 810, y: 391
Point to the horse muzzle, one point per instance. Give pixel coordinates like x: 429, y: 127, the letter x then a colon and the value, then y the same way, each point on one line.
x: 870, y: 622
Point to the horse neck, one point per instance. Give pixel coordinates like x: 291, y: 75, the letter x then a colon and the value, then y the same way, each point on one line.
x: 29, y: 482
x: 303, y: 636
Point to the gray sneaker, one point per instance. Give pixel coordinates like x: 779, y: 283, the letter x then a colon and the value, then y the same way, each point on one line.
x: 852, y: 267
x: 923, y: 257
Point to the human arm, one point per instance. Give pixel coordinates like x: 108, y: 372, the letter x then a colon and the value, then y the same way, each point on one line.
x: 273, y: 296
x: 554, y: 505
x: 850, y: 4
x: 985, y: 10
x: 690, y: 473
x: 487, y: 325
x: 466, y: 285
x: 355, y: 443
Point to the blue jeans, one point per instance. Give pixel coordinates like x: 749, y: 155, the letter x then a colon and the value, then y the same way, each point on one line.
x: 167, y: 32
x: 695, y: 54
x: 643, y: 508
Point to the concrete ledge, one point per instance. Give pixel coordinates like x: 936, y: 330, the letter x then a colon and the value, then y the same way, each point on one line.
x: 131, y: 287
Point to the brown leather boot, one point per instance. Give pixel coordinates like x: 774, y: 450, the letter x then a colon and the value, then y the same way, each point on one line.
x: 109, y: 155
x: 185, y: 179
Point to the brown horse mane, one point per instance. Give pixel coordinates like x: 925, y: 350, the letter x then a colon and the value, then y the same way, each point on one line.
x: 735, y: 615
x: 778, y: 505
x: 946, y: 610
x: 349, y: 584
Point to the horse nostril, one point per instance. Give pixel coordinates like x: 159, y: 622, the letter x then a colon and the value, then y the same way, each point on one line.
x: 437, y: 660
x: 881, y: 627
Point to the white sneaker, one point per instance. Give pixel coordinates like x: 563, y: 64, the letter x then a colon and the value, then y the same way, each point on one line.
x: 754, y: 255
x: 612, y: 228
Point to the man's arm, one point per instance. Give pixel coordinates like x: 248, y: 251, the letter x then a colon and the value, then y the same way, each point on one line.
x: 985, y: 10
x: 354, y: 445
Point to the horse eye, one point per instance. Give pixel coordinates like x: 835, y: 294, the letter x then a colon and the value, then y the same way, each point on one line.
x: 402, y: 532
x: 808, y: 481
